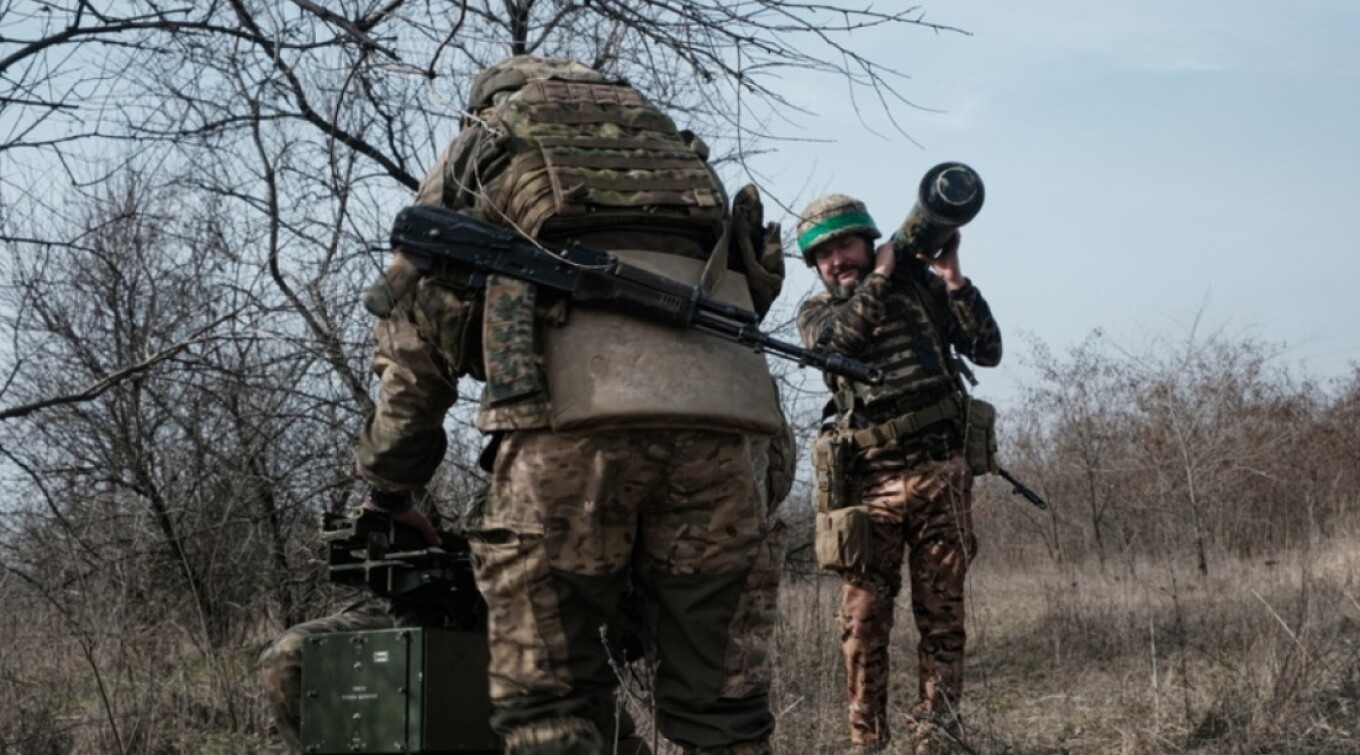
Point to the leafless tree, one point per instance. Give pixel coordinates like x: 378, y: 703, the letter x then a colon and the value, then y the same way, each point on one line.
x: 191, y: 197
x: 1204, y: 443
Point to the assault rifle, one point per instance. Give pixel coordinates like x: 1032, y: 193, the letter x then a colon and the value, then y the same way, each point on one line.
x: 1023, y: 489
x: 593, y: 278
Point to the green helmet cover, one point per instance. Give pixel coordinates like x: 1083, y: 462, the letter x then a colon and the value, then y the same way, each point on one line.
x: 831, y: 217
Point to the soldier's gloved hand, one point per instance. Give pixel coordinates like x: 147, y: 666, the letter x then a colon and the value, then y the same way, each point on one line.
x: 399, y: 507
x: 946, y: 264
x: 759, y: 247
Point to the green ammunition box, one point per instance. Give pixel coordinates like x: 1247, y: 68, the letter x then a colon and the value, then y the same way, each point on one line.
x: 396, y: 691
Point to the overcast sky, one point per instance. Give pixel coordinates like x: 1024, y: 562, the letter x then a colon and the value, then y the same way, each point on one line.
x: 1143, y: 161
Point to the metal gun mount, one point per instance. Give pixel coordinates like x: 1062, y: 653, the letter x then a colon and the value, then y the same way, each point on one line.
x: 420, y: 688
x: 430, y: 586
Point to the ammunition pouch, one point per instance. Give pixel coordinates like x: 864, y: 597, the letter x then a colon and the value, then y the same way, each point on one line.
x: 834, y: 450
x: 844, y: 539
x: 832, y: 454
x: 979, y: 438
x: 448, y: 317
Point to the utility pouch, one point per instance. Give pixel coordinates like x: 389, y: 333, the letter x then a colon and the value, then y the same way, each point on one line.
x: 832, y: 453
x: 979, y: 440
x: 514, y: 371
x: 448, y: 318
x: 844, y: 539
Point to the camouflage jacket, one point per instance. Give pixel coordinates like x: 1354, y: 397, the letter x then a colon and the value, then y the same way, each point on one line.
x: 906, y: 325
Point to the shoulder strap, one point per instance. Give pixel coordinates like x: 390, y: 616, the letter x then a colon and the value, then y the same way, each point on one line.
x: 939, y: 319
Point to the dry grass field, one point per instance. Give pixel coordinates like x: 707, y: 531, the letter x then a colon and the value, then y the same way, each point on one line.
x: 1258, y: 657
x: 1261, y: 656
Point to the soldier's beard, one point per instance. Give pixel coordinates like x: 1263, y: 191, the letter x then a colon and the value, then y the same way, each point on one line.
x: 844, y: 290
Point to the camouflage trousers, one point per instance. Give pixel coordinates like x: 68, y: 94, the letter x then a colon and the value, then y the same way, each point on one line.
x: 924, y: 511
x: 573, y: 521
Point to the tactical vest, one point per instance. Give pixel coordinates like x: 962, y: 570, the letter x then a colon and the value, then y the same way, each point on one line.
x: 598, y: 155
x: 592, y: 157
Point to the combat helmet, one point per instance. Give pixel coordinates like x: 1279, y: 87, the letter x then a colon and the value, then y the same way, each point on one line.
x: 831, y: 217
x: 513, y: 73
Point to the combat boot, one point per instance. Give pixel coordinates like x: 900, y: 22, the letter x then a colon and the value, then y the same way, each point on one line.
x: 753, y: 747
x: 933, y: 733
x: 558, y: 736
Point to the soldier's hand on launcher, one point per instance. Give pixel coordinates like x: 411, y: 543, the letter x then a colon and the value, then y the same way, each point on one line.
x: 946, y: 263
x: 885, y: 259
x: 412, y: 517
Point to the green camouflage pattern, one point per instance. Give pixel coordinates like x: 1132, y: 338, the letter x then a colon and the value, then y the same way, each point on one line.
x: 625, y: 179
x: 280, y: 665
x: 514, y: 369
x: 926, y: 512
x: 446, y: 314
x: 572, y: 519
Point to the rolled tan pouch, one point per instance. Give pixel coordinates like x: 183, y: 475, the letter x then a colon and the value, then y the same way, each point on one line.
x: 610, y: 371
x: 844, y: 539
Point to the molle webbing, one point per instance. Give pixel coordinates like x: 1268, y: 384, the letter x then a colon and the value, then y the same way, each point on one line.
x: 598, y: 155
x: 910, y: 347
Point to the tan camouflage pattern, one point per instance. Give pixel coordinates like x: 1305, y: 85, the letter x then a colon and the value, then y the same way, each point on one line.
x: 403, y: 441
x: 446, y: 316
x: 674, y: 502
x: 559, y: 736
x: 512, y: 73
x: 824, y: 208
x: 475, y: 175
x: 592, y: 155
x: 564, y: 157
x: 280, y: 665
x: 747, y: 667
x: 776, y: 463
x: 925, y: 512
x: 763, y: 266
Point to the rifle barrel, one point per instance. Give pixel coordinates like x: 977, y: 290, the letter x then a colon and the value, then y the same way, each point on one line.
x: 1023, y: 489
